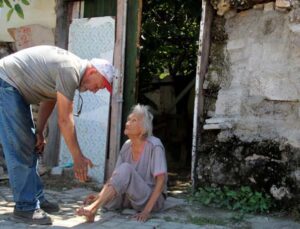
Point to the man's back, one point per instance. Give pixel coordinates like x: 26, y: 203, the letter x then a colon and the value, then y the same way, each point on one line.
x: 39, y: 72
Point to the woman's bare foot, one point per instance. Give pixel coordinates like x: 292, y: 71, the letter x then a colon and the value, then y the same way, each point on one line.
x: 88, y: 213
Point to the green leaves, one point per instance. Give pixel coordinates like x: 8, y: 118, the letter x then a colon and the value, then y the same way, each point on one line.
x: 8, y: 3
x: 19, y: 10
x: 15, y: 7
x: 9, y: 13
x: 25, y: 2
x: 169, y: 38
x: 243, y: 200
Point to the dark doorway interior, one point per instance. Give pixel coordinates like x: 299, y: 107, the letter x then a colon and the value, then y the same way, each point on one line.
x: 169, y: 37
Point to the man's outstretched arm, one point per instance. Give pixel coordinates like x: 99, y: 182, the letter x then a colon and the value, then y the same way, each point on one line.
x: 67, y: 129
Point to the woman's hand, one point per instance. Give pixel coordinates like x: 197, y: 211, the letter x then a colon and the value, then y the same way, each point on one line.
x: 142, y: 216
x: 89, y: 199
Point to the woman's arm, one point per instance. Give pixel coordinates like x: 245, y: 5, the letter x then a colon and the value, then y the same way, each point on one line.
x: 159, y: 187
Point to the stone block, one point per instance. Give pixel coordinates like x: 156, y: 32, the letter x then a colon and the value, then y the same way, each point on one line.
x: 235, y: 44
x: 214, y: 126
x: 217, y: 126
x: 295, y: 28
x: 230, y: 14
x: 283, y: 3
x: 31, y: 35
x: 258, y: 7
x: 223, y: 7
x: 294, y: 16
x: 269, y: 7
x: 237, y: 56
x: 279, y: 9
x: 216, y: 120
x: 229, y: 102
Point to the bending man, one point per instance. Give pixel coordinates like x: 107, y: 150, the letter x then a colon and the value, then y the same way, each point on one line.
x: 47, y: 75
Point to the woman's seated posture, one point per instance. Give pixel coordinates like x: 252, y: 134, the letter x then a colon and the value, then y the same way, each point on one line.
x: 139, y: 180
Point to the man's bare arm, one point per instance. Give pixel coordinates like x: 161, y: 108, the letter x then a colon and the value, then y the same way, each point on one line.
x: 67, y: 128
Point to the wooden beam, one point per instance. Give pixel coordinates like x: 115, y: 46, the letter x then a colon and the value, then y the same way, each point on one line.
x: 132, y: 58
x: 117, y: 97
x: 202, y: 64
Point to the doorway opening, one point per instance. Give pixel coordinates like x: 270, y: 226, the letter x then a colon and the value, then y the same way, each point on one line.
x: 167, y: 70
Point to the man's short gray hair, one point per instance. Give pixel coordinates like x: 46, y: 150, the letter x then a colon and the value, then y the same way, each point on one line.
x: 144, y: 111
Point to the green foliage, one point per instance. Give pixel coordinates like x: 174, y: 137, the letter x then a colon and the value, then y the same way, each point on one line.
x: 25, y: 2
x: 14, y: 6
x: 9, y: 13
x: 8, y: 4
x: 243, y: 199
x: 169, y: 35
x: 19, y: 10
x: 295, y: 212
x: 205, y: 221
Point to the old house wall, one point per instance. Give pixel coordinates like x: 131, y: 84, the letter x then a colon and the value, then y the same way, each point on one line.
x: 252, y: 90
x: 259, y: 96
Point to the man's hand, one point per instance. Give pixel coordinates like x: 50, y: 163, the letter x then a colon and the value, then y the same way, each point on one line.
x: 40, y: 143
x: 81, y: 165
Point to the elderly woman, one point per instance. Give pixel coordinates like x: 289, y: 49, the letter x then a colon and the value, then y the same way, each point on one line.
x: 140, y: 176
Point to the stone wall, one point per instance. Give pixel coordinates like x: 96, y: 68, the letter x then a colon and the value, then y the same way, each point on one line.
x: 252, y: 128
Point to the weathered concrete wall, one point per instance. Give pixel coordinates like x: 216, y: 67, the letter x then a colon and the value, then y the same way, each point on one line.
x: 252, y: 131
x: 259, y: 96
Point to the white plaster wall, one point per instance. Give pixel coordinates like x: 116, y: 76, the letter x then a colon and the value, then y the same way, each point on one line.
x: 41, y: 12
x: 262, y: 99
x: 89, y: 38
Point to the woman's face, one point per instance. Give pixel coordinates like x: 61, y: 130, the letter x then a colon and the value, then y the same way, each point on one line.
x: 134, y: 125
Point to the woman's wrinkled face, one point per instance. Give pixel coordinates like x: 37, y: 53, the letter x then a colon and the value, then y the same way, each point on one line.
x: 134, y: 125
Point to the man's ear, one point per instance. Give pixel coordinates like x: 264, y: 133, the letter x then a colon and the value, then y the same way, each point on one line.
x: 91, y: 70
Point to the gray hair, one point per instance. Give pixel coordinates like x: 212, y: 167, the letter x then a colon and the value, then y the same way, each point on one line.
x: 144, y: 111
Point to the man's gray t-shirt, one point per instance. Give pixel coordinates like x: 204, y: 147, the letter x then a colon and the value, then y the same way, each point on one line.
x: 151, y: 163
x: 41, y: 71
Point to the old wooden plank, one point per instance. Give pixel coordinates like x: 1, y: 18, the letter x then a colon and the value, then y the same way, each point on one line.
x: 132, y: 57
x: 202, y: 64
x: 117, y: 97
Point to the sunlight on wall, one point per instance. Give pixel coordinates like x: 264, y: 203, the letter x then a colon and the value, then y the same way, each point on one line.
x: 40, y: 12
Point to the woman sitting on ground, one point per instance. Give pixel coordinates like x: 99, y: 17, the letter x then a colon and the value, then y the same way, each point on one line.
x: 139, y: 180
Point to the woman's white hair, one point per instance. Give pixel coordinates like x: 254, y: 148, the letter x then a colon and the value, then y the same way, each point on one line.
x: 144, y: 111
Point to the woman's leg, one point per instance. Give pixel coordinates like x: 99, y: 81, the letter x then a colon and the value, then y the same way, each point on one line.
x: 106, y: 195
x: 125, y: 180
